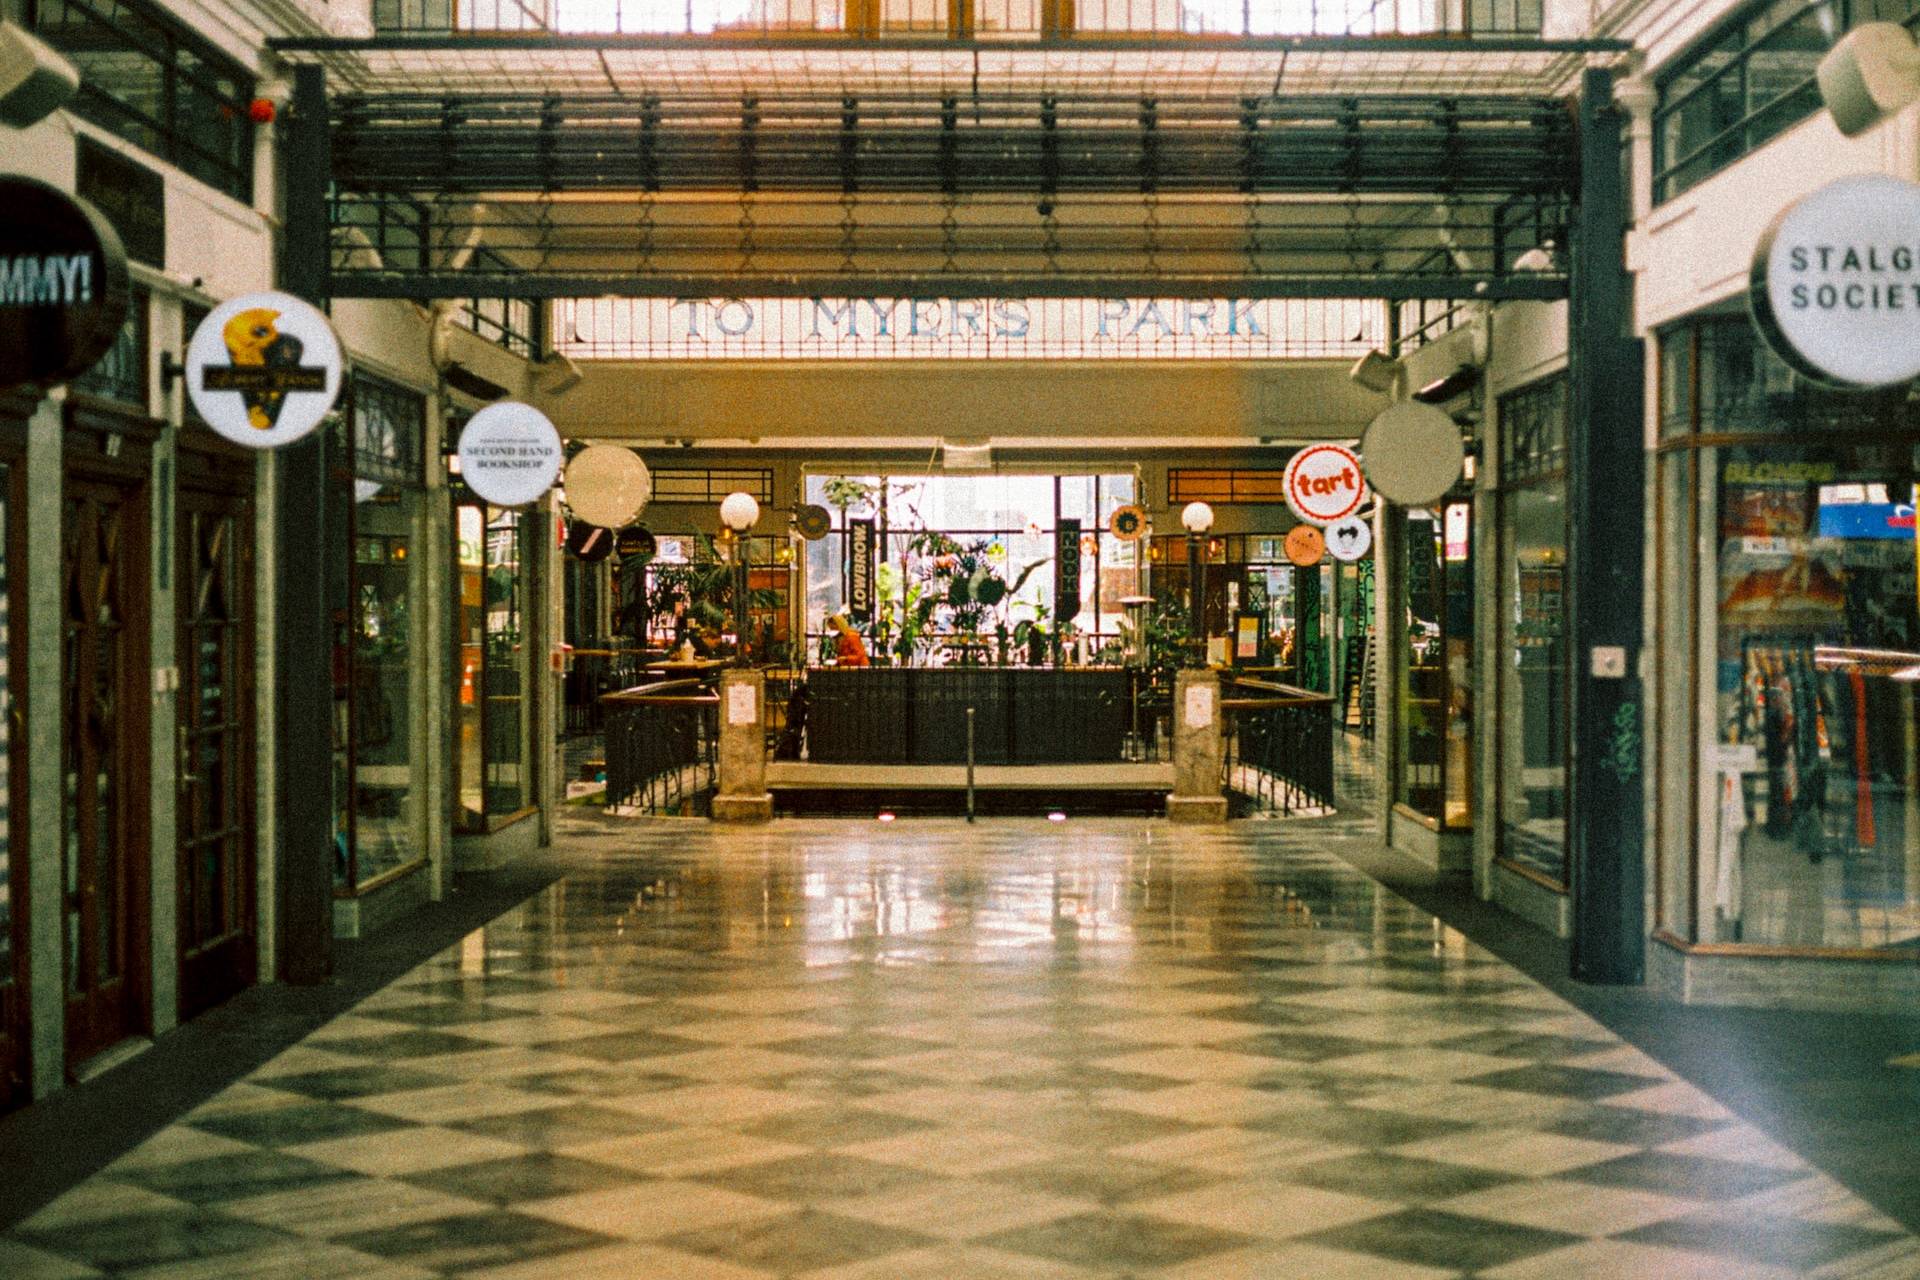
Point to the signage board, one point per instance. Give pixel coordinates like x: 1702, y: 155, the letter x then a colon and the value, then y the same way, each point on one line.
x: 1349, y: 540
x: 132, y: 196
x: 1066, y: 579
x: 608, y: 484
x: 509, y: 453
x: 1413, y: 453
x: 589, y: 542
x: 63, y: 284
x: 263, y: 369
x: 1835, y: 283
x: 1323, y: 483
x: 1305, y: 545
x: 636, y: 541
x: 860, y: 544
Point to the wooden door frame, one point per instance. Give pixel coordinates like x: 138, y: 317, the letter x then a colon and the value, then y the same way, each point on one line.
x: 103, y: 444
x: 210, y: 468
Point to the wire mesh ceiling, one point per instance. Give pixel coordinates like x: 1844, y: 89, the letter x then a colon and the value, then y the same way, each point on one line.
x: 787, y: 192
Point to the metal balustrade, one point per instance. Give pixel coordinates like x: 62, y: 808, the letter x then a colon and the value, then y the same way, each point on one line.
x: 1278, y: 755
x: 662, y: 748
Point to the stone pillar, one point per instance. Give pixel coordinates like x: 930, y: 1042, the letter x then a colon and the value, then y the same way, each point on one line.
x: 742, y: 794
x: 1198, y: 749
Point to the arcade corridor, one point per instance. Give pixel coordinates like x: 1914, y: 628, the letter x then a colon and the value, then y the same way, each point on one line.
x: 1018, y: 1049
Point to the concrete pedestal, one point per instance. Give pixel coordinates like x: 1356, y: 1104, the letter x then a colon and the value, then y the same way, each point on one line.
x: 1198, y: 749
x: 742, y: 794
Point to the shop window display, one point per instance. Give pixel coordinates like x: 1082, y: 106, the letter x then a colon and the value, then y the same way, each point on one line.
x: 1433, y: 766
x: 1534, y: 721
x: 1807, y: 801
x: 379, y: 505
x: 490, y: 708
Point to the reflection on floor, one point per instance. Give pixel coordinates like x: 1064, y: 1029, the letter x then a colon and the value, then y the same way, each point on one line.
x: 929, y: 1050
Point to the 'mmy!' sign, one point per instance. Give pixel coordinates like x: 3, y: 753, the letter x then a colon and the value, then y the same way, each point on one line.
x: 1836, y: 282
x: 63, y: 284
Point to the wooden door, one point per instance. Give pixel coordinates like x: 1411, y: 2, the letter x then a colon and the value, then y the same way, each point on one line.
x: 104, y: 872
x: 216, y: 741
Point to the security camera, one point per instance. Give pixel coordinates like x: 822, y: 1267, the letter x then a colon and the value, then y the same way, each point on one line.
x: 1871, y: 74
x: 35, y: 81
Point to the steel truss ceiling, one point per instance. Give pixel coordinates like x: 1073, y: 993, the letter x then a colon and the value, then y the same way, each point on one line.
x: 1072, y: 184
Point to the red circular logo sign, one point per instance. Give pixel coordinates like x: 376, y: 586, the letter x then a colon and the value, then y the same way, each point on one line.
x: 1323, y: 483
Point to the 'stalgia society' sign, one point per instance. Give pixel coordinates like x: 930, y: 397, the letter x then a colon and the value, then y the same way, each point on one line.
x: 509, y: 453
x: 63, y: 284
x: 264, y: 369
x: 1836, y: 282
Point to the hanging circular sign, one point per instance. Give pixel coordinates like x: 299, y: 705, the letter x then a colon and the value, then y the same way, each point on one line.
x: 1349, y: 540
x: 1835, y: 285
x: 813, y: 522
x: 1128, y: 523
x: 1413, y: 453
x: 1323, y: 483
x: 589, y: 542
x: 264, y: 369
x: 636, y: 540
x: 1304, y: 545
x: 608, y: 484
x: 63, y: 284
x: 509, y: 453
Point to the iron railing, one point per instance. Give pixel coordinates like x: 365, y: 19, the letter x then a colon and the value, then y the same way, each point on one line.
x: 1279, y: 748
x: 918, y: 715
x: 662, y: 748
x: 591, y: 674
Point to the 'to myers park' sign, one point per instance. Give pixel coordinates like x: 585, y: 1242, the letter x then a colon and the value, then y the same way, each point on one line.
x: 63, y: 284
x: 1836, y: 283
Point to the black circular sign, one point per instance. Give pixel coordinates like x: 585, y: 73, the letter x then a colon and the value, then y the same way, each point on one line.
x: 589, y: 542
x: 635, y: 540
x: 63, y: 284
x: 813, y: 522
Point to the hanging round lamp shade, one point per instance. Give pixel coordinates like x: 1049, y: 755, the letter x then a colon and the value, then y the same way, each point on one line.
x: 739, y: 512
x: 608, y: 484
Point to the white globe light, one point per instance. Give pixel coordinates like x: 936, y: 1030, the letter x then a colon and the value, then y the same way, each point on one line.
x: 739, y: 512
x: 1197, y: 518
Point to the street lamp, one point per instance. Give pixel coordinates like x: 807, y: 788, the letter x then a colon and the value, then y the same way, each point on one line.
x: 1197, y: 519
x: 739, y: 512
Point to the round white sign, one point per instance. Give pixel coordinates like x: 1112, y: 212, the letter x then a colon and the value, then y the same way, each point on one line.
x: 608, y: 485
x: 1413, y: 453
x: 509, y: 453
x: 1349, y: 539
x: 264, y: 369
x: 1836, y: 282
x: 1323, y: 483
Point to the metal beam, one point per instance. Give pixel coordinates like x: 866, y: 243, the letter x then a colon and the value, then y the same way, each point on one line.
x: 1607, y: 519
x: 303, y: 659
x: 506, y: 41
x: 1037, y: 284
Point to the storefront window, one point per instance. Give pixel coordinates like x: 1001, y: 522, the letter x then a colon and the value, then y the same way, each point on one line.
x: 378, y: 481
x: 1533, y: 693
x: 491, y: 707
x: 1434, y: 770
x: 1804, y: 801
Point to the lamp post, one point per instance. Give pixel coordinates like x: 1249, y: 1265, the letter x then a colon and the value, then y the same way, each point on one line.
x: 739, y: 512
x: 1197, y: 519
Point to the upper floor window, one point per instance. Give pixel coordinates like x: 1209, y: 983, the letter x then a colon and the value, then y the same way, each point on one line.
x: 146, y: 78
x: 1749, y: 82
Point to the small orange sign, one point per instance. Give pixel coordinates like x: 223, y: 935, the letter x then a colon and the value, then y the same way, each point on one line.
x: 1305, y: 545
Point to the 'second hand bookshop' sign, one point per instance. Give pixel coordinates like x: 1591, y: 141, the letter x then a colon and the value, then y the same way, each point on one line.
x: 264, y: 369
x: 63, y: 284
x: 1836, y: 282
x: 510, y: 454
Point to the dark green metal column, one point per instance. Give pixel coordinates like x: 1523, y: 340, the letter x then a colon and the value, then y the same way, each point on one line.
x: 303, y: 633
x: 1606, y: 460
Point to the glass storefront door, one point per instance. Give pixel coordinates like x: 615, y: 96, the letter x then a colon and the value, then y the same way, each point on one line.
x: 214, y: 620
x: 1434, y: 768
x: 491, y: 710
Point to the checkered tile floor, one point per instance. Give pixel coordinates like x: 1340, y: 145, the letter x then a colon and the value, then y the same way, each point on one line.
x: 843, y: 1051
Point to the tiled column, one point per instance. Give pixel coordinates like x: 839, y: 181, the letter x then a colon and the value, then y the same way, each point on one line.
x: 1198, y: 750
x: 742, y: 794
